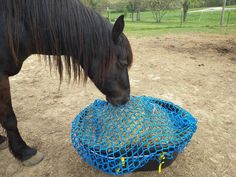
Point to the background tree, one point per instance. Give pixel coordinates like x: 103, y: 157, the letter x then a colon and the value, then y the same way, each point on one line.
x: 159, y: 8
x: 91, y: 3
x: 98, y: 5
x: 134, y: 7
x: 213, y: 3
x: 186, y: 5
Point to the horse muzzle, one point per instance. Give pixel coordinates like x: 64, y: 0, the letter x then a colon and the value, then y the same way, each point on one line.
x: 116, y: 101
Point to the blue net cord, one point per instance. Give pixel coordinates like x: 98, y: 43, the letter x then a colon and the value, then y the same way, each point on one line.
x: 120, y: 140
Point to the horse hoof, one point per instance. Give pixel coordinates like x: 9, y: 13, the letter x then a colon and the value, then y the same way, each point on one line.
x: 4, y: 144
x: 34, y: 160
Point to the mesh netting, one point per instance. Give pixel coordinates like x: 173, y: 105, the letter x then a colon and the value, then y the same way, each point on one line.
x: 119, y: 140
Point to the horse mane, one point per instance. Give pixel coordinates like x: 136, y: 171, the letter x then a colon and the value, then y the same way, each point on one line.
x: 74, y: 34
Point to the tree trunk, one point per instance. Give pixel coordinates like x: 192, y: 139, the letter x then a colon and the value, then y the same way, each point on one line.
x: 138, y: 15
x: 158, y: 17
x: 185, y: 9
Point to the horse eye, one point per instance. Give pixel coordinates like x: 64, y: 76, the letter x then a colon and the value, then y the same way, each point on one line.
x: 124, y: 62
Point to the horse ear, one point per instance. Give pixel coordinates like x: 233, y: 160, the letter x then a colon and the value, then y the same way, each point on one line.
x: 118, y: 28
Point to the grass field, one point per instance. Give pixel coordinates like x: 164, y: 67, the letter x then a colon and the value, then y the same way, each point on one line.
x: 207, y: 22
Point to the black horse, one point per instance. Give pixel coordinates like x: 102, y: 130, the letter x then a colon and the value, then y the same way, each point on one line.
x: 72, y: 37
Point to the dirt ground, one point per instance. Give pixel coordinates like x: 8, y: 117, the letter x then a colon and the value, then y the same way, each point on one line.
x: 197, y: 72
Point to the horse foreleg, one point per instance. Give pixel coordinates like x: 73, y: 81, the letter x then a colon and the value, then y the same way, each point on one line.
x: 17, y: 146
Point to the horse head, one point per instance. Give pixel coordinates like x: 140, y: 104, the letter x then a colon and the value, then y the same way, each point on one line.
x: 115, y: 82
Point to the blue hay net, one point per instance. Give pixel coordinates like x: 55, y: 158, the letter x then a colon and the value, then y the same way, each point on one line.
x: 120, y: 140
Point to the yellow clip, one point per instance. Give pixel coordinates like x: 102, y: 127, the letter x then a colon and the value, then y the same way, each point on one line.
x: 123, y: 164
x: 162, y: 157
x: 123, y: 161
x: 160, y: 167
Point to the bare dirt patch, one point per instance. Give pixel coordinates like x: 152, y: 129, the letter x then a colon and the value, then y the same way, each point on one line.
x: 197, y: 72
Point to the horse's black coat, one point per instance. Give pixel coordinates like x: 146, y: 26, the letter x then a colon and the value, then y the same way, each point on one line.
x: 74, y: 38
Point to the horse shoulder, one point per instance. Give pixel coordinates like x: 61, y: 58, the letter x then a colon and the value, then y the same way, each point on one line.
x: 7, y: 63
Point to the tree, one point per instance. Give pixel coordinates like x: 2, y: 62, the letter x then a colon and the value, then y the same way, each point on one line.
x: 213, y: 3
x: 134, y: 7
x: 97, y: 5
x: 187, y: 3
x: 159, y: 8
x: 231, y: 2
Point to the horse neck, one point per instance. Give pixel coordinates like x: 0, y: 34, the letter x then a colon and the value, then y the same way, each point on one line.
x: 67, y: 29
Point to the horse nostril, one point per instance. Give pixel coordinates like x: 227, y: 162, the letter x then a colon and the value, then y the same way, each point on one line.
x: 124, y: 100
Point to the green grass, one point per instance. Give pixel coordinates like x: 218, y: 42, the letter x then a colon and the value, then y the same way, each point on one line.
x: 233, y: 6
x: 205, y: 22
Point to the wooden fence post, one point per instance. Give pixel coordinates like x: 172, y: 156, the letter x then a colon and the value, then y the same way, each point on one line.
x: 222, y: 13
